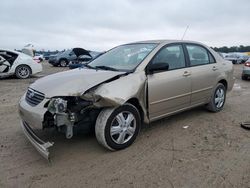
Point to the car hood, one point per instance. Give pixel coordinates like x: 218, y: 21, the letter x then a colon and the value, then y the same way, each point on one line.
x: 72, y: 83
x: 80, y: 51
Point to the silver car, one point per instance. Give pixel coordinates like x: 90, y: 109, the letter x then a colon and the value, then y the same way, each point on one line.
x: 127, y: 86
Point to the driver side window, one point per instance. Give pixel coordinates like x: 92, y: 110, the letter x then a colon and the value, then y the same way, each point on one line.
x: 173, y: 55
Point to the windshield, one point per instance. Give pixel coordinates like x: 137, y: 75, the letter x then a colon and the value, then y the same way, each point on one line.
x: 123, y: 58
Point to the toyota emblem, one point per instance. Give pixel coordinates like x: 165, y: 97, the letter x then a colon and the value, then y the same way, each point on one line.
x: 31, y: 94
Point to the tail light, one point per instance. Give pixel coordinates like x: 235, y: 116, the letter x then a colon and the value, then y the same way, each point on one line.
x: 247, y: 64
x: 37, y: 60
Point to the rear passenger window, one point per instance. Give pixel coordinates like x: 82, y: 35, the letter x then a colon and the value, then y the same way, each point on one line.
x: 173, y: 55
x: 198, y: 55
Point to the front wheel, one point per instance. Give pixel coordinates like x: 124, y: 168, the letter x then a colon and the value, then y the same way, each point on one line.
x: 218, y: 98
x: 117, y: 128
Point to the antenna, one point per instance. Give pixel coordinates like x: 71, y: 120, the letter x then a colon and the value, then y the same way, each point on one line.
x: 184, y: 32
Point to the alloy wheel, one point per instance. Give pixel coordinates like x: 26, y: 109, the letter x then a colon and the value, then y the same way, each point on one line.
x: 123, y: 127
x: 219, y: 97
x: 23, y: 72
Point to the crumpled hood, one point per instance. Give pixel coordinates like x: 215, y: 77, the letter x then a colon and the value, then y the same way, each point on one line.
x: 73, y: 82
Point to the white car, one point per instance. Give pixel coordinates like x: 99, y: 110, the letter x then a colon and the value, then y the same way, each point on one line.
x: 38, y: 57
x: 17, y: 63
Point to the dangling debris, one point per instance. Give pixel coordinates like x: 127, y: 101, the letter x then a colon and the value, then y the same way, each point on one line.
x: 245, y: 125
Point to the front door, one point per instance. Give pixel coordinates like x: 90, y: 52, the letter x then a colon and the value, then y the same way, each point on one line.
x: 169, y: 91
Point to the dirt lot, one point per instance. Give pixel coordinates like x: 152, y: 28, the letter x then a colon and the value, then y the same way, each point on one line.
x: 212, y: 152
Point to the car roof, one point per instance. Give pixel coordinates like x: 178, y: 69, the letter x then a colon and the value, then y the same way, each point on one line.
x: 12, y: 51
x: 165, y: 41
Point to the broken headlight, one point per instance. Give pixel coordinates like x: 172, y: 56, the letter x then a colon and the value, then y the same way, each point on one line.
x: 67, y: 104
x: 57, y: 105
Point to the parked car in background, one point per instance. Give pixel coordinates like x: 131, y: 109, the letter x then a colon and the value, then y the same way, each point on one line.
x: 129, y: 85
x: 83, y: 59
x: 223, y: 55
x: 38, y: 57
x: 236, y: 58
x: 17, y: 63
x: 63, y: 58
x: 46, y: 55
x: 29, y: 50
x: 246, y: 70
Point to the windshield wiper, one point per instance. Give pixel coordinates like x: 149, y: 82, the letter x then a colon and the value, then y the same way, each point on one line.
x: 106, y: 68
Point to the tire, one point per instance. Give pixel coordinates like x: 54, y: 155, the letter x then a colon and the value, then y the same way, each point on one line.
x: 124, y: 133
x: 23, y: 72
x: 218, y: 98
x: 63, y: 63
x: 243, y: 77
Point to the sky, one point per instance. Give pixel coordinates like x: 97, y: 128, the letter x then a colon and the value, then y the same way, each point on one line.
x: 102, y: 24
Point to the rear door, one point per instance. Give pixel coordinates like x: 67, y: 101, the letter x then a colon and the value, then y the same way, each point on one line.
x: 169, y: 91
x: 204, y: 73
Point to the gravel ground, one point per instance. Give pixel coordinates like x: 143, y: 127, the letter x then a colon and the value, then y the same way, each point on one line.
x: 212, y: 152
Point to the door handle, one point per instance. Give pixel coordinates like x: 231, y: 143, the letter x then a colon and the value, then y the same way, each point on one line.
x: 214, y: 68
x: 186, y: 73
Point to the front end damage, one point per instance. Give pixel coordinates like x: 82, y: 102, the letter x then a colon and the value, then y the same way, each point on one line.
x: 70, y: 114
x: 41, y: 146
x: 78, y: 111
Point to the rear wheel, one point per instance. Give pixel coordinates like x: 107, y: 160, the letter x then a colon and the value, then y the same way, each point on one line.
x: 117, y: 128
x: 218, y: 98
x: 23, y: 71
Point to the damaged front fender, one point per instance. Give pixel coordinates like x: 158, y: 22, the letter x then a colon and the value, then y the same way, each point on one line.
x: 118, y: 92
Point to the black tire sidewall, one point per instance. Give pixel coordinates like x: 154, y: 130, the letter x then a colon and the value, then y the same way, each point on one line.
x: 109, y: 141
x: 213, y: 99
x: 243, y: 77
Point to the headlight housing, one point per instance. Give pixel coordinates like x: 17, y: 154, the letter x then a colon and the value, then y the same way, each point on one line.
x: 57, y: 105
x: 61, y: 105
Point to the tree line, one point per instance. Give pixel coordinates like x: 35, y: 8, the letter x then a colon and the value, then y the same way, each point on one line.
x: 226, y: 49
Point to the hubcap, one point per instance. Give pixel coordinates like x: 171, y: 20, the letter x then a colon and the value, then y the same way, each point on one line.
x: 63, y: 63
x: 123, y: 127
x: 23, y: 72
x: 219, y: 98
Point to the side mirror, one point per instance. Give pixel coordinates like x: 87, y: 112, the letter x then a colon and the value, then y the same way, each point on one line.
x: 157, y: 67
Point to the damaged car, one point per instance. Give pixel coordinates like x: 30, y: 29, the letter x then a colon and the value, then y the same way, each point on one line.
x: 84, y: 59
x: 18, y: 64
x: 63, y: 59
x: 127, y: 86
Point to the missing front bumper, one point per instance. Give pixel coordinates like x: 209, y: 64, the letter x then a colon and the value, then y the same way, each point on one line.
x: 41, y: 146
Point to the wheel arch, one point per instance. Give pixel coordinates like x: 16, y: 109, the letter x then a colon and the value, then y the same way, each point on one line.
x: 224, y: 82
x: 24, y: 65
x: 136, y: 103
x: 63, y: 58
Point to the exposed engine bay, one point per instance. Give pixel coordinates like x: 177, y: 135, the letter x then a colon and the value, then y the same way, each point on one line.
x: 68, y: 113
